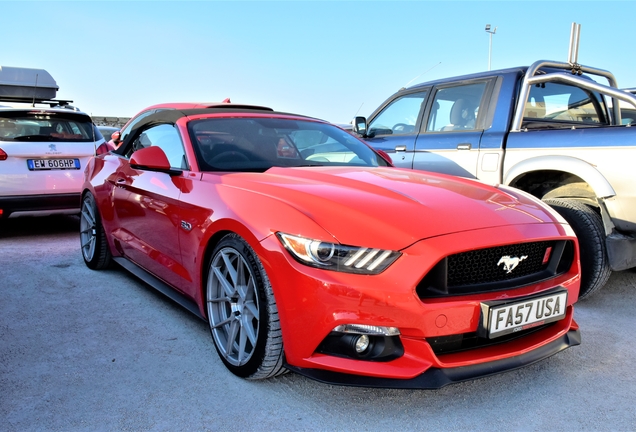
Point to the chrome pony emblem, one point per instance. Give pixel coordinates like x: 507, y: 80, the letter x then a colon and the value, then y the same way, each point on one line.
x: 510, y: 263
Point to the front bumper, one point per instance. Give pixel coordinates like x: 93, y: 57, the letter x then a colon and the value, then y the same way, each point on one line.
x: 435, y: 378
x: 312, y: 302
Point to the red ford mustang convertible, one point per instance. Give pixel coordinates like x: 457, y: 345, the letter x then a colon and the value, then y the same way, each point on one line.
x: 305, y: 250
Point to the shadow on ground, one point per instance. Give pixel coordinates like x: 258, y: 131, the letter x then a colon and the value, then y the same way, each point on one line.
x: 35, y: 226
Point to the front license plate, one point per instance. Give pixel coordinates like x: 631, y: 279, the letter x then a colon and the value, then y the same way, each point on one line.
x: 53, y: 164
x: 503, y: 319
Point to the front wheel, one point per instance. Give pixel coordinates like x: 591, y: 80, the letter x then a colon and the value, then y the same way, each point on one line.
x: 92, y: 236
x: 588, y: 227
x: 242, y: 311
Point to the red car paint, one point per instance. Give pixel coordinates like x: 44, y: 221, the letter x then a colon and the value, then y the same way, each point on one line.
x: 425, y: 216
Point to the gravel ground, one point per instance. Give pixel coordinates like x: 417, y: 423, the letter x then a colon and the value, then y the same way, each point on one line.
x: 86, y: 350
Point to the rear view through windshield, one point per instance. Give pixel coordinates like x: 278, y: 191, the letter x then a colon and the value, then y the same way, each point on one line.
x: 237, y: 144
x: 45, y: 127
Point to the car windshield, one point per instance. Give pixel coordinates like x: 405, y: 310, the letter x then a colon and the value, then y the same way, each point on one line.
x: 45, y: 127
x: 257, y: 144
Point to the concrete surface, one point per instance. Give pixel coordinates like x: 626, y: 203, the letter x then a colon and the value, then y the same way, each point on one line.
x: 86, y: 350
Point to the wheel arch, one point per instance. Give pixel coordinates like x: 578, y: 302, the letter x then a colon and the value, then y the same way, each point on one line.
x: 224, y: 228
x: 559, y: 176
x: 255, y: 217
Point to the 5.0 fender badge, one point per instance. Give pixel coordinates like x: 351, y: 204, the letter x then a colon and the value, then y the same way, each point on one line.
x: 510, y: 263
x: 186, y: 226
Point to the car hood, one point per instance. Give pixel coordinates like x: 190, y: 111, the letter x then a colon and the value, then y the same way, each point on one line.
x: 390, y: 207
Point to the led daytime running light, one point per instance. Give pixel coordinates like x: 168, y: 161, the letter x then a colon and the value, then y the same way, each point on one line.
x: 338, y: 257
x: 367, y: 330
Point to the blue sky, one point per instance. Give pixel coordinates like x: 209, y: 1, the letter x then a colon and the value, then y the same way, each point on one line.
x: 327, y: 59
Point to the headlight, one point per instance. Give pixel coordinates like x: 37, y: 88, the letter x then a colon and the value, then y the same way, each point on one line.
x: 337, y: 257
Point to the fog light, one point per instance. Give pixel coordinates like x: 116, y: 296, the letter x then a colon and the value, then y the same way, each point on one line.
x: 362, y: 343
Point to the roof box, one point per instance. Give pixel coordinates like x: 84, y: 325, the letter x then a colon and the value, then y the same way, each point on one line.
x: 26, y: 85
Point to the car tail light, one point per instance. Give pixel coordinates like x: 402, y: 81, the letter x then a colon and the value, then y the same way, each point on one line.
x: 3, y: 155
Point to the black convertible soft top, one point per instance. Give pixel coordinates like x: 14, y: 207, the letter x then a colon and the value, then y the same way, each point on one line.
x: 171, y: 116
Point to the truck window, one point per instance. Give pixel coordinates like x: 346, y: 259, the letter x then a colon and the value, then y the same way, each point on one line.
x: 555, y: 102
x: 456, y: 108
x: 400, y: 116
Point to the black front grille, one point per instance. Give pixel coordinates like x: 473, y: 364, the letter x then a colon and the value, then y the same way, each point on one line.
x: 496, y: 268
x: 489, y: 265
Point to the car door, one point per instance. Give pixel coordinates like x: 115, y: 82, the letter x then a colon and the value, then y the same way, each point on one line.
x: 395, y: 127
x: 147, y: 205
x: 452, y: 132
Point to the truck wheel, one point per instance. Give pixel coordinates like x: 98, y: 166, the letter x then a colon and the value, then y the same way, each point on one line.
x: 588, y: 227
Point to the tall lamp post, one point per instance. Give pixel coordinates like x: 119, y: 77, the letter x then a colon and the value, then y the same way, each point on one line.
x: 491, y: 32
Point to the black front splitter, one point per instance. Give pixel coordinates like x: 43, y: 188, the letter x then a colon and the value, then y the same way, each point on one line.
x: 435, y: 378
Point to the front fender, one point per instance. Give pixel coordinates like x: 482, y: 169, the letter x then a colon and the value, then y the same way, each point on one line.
x: 253, y: 216
x: 578, y: 167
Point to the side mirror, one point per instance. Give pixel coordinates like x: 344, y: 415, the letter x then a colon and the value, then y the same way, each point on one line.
x: 360, y: 126
x: 115, y: 137
x: 152, y: 159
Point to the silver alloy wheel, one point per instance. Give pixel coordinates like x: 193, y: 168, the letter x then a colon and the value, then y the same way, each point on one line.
x: 233, y: 308
x: 88, y: 228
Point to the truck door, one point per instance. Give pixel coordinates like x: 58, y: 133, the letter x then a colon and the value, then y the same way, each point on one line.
x: 394, y: 129
x: 453, y: 128
x: 565, y: 120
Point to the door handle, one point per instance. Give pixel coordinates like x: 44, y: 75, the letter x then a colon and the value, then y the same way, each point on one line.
x: 464, y: 146
x: 400, y: 148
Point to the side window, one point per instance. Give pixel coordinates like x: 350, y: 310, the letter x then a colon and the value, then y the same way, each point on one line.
x: 400, y: 116
x: 456, y: 108
x: 167, y: 138
x: 132, y: 124
x: 563, y: 102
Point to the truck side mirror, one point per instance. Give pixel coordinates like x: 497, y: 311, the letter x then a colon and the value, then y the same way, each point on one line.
x: 360, y: 126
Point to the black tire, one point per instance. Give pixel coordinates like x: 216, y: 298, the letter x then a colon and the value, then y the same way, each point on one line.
x: 242, y: 311
x: 93, y: 241
x: 588, y: 227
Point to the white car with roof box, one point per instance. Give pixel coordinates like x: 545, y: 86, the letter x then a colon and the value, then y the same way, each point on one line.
x: 45, y: 145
